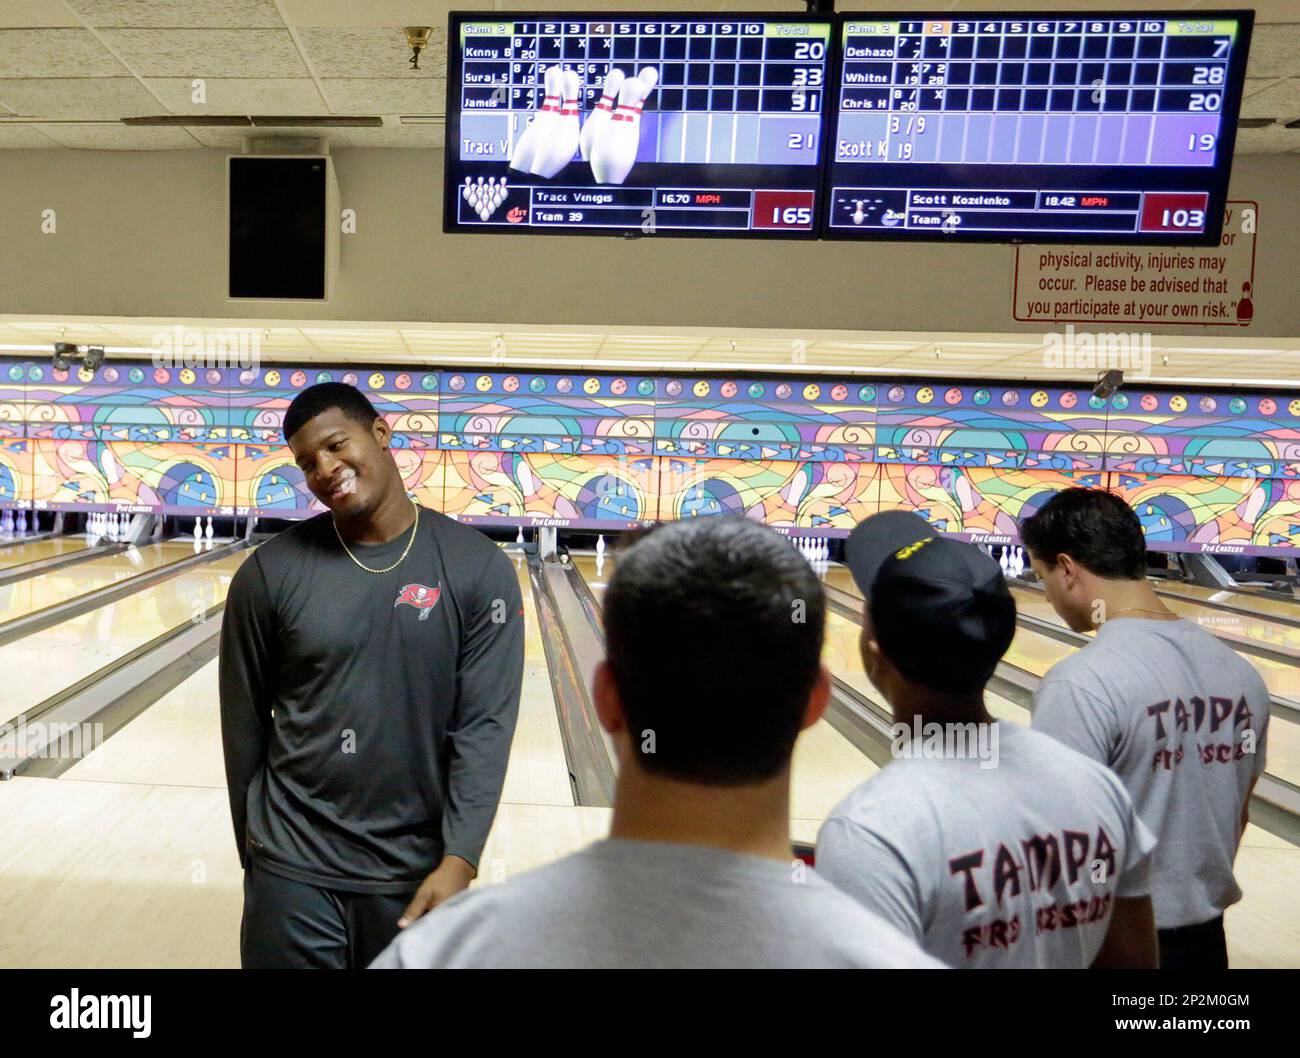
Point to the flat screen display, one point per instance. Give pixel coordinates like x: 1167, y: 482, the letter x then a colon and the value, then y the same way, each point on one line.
x: 1104, y: 127
x: 690, y: 124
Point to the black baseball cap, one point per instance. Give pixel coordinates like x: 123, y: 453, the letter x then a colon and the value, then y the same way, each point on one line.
x: 940, y: 609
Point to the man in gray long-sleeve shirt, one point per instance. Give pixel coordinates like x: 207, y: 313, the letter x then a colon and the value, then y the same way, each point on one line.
x: 371, y: 662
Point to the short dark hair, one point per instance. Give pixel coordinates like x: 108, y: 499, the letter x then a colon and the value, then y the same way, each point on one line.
x: 714, y: 635
x: 323, y: 396
x: 1094, y: 527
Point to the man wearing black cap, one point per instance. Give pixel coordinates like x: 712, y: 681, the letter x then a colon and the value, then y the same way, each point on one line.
x: 990, y: 844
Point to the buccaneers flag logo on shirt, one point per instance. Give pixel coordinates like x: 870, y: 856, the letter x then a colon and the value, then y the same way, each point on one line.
x: 421, y: 597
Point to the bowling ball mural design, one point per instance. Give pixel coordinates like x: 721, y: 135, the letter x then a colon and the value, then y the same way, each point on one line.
x: 187, y: 485
x: 565, y: 385
x: 456, y: 383
x: 1149, y: 402
x: 867, y: 394
x: 674, y: 388
x: 607, y: 497
x: 1038, y: 398
x: 161, y: 376
x: 1165, y: 519
x: 646, y: 387
x: 402, y: 381
x: 1096, y: 403
x: 924, y: 395
x: 700, y: 389
x: 1294, y: 407
x: 756, y: 390
x: 704, y: 498
x: 811, y: 392
x: 247, y: 378
x: 510, y: 383
x: 839, y: 391
x: 1207, y: 404
x: 483, y: 383
x: 274, y: 489
x: 298, y: 379
x: 1267, y: 406
x: 591, y: 386
x: 186, y: 376
x: 1011, y: 397
x: 376, y: 380
x: 1069, y: 399
x: 1236, y: 405
x: 953, y: 396
x: 272, y: 378
x: 324, y: 376
x: 350, y: 378
x: 982, y: 397
x: 618, y: 387
x: 1119, y: 401
x: 537, y: 385
x: 16, y: 373
x: 135, y: 375
x: 1178, y: 403
x: 896, y: 394
x: 111, y: 374
x: 429, y: 382
x: 213, y: 376
x: 728, y: 389
x: 783, y: 391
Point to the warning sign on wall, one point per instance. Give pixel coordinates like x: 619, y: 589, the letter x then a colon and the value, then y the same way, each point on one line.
x: 1205, y: 286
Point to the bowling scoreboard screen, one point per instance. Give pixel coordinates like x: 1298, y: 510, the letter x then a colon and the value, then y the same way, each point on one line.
x: 688, y: 124
x: 1103, y: 127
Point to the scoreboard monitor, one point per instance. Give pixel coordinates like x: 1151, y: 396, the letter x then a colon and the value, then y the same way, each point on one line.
x: 673, y: 124
x: 1085, y: 128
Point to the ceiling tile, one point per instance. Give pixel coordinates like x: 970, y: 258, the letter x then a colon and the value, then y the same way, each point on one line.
x: 247, y: 95
x: 1281, y: 100
x: 186, y: 14
x: 113, y: 137
x: 77, y: 97
x: 373, y: 52
x: 422, y: 136
x: 35, y: 13
x: 208, y: 52
x: 24, y: 137
x: 1272, y: 140
x: 55, y: 53
x: 385, y: 95
x: 1274, y: 50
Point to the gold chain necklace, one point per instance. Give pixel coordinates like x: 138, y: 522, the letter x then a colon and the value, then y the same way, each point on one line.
x: 387, y: 569
x: 1138, y: 609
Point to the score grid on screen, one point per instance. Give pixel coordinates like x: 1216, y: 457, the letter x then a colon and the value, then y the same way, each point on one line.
x: 1015, y: 127
x: 700, y: 124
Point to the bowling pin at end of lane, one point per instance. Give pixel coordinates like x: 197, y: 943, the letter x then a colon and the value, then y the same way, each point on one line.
x: 614, y: 153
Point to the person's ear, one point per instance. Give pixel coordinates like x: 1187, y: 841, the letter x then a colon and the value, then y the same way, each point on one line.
x: 818, y: 698
x: 609, y: 707
x: 382, y: 431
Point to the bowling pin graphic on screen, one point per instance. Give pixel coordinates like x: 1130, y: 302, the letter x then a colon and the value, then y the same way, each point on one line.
x: 598, y: 120
x: 614, y: 148
x: 526, y: 147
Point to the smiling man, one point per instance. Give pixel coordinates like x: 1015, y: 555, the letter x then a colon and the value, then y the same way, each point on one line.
x: 371, y: 662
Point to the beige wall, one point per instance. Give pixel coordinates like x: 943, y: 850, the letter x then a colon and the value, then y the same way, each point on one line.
x: 142, y: 234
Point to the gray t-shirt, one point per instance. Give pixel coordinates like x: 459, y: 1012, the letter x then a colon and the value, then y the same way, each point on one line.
x: 1012, y: 866
x: 1167, y: 706
x: 628, y: 904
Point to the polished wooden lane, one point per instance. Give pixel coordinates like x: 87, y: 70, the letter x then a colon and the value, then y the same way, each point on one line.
x: 17, y: 553
x: 45, y: 662
x: 36, y: 593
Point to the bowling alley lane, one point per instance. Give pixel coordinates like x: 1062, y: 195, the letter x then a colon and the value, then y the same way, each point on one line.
x: 826, y: 765
x: 1036, y: 654
x: 19, y: 553
x: 1283, y: 680
x: 36, y: 593
x: 1260, y: 603
x: 45, y: 662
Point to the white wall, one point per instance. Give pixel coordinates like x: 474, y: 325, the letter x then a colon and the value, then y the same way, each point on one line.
x: 142, y: 234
